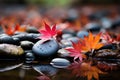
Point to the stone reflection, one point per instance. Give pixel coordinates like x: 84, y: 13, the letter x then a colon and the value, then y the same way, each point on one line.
x: 45, y: 70
x: 7, y: 67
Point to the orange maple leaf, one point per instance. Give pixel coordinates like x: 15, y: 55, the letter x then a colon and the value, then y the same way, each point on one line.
x: 85, y: 69
x: 91, y: 42
x: 11, y: 30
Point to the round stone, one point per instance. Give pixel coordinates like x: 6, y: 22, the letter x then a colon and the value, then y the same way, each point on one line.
x: 46, y: 48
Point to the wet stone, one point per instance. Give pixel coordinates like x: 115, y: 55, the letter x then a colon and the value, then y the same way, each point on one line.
x: 60, y: 63
x: 29, y: 57
x: 93, y: 27
x: 81, y: 34
x: 29, y: 37
x: 45, y: 49
x: 73, y: 39
x: 63, y: 53
x: 66, y: 36
x: 106, y: 53
x: 31, y: 29
x: 6, y: 39
x: 27, y: 45
x: 8, y: 49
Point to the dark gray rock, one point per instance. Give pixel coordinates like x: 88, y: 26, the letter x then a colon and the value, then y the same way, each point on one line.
x: 32, y: 29
x: 27, y: 45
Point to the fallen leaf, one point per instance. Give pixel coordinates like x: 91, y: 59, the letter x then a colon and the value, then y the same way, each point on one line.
x: 107, y: 38
x: 48, y: 33
x: 90, y: 42
x: 76, y: 51
x: 85, y: 70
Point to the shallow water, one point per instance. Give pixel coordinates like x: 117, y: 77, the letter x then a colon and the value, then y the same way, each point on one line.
x: 18, y: 70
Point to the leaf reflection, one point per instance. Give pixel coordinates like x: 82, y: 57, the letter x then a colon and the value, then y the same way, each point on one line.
x: 85, y: 69
x: 43, y: 77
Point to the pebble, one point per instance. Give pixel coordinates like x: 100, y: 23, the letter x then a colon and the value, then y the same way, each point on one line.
x: 81, y: 34
x: 26, y: 45
x: 60, y: 63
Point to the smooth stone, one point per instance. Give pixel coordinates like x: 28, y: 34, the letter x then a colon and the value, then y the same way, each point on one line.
x: 27, y: 45
x: 65, y: 36
x: 3, y: 35
x: 20, y: 36
x: 109, y: 46
x: 30, y: 37
x: 73, y: 39
x: 45, y: 69
x: 66, y: 43
x: 29, y: 57
x: 11, y: 49
x: 46, y: 49
x: 106, y: 23
x: 32, y: 29
x: 93, y: 27
x: 6, y: 39
x: 81, y: 34
x: 60, y: 63
x: 69, y: 31
x: 115, y: 23
x: 18, y: 33
x: 16, y: 41
x: 106, y: 53
x: 63, y: 53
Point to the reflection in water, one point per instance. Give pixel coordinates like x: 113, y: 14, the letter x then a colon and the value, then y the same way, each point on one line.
x: 85, y: 69
x: 45, y: 69
x: 43, y: 78
x: 107, y: 66
x: 6, y: 67
x: 76, y: 71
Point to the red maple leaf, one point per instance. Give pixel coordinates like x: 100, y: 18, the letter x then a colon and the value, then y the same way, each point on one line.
x: 76, y: 51
x: 49, y: 32
x: 108, y: 39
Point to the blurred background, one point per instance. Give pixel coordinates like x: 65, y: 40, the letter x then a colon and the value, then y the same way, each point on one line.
x: 77, y: 12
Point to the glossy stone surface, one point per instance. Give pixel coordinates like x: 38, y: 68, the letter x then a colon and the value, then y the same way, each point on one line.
x: 47, y: 48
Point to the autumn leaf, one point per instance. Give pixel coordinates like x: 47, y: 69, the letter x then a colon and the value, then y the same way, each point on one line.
x: 85, y: 70
x: 8, y: 30
x: 107, y: 38
x: 48, y: 33
x: 11, y: 30
x: 43, y: 77
x: 91, y: 42
x: 118, y: 37
x: 19, y: 28
x: 76, y: 51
